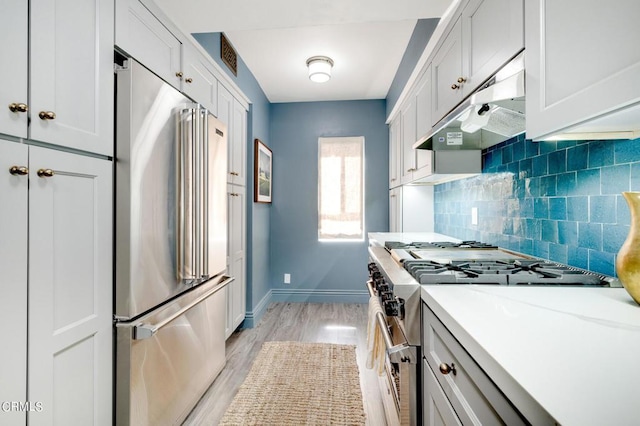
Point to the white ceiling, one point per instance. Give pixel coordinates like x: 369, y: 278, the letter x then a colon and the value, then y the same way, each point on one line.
x: 365, y: 38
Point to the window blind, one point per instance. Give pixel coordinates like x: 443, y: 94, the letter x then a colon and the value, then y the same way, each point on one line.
x: 341, y: 188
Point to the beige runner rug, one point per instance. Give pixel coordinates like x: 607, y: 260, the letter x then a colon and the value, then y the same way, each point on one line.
x: 295, y: 383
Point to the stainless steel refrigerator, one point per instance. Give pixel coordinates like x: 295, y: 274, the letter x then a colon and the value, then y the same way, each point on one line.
x: 170, y: 249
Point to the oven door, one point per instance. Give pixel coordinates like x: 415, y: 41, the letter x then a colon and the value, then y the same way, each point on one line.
x: 399, y: 385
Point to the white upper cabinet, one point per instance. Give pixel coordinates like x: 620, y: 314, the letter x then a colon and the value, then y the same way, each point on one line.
x: 14, y: 21
x: 65, y: 94
x: 232, y: 113
x: 198, y: 80
x: 395, y: 147
x: 486, y: 35
x: 424, y: 158
x: 408, y: 123
x: 447, y: 74
x: 492, y: 34
x: 582, y: 63
x: 71, y: 74
x: 238, y: 148
x: 141, y: 35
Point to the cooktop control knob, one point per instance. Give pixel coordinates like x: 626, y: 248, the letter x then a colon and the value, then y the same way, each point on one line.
x: 391, y: 308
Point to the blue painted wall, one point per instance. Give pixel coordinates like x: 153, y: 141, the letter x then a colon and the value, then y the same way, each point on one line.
x: 557, y: 200
x: 419, y: 38
x: 258, y: 215
x: 322, y: 271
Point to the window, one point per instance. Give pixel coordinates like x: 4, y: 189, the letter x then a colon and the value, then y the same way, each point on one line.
x: 341, y: 188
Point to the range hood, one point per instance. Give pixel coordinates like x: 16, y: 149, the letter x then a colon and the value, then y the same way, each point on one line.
x: 492, y: 114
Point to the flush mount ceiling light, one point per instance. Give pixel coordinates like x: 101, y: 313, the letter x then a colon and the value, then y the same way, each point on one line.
x: 319, y: 68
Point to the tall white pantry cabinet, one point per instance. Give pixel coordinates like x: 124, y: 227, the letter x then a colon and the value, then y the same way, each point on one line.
x: 56, y: 137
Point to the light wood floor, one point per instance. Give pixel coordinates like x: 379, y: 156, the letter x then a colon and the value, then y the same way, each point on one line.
x: 303, y: 322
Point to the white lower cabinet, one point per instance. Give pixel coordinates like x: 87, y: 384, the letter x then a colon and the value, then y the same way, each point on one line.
x: 236, y: 290
x: 462, y: 392
x: 13, y: 279
x: 436, y: 409
x: 65, y: 232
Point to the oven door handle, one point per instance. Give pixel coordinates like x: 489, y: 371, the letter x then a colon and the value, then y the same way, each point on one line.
x: 397, y: 353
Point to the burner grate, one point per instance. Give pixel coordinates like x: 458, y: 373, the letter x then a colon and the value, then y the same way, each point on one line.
x: 501, y: 272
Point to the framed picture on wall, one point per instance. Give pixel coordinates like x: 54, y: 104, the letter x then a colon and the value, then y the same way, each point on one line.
x: 263, y: 166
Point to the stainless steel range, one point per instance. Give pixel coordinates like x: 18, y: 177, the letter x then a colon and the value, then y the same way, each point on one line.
x: 396, y: 273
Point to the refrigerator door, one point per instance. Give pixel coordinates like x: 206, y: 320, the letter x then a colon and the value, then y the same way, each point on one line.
x: 152, y: 198
x: 202, y: 195
x: 167, y: 359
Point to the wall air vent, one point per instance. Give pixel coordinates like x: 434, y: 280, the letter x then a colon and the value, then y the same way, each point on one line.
x: 228, y: 54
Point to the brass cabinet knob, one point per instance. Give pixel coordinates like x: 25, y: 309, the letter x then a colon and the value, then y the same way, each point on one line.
x: 47, y: 115
x: 455, y: 86
x: 18, y: 170
x: 446, y: 368
x: 45, y: 172
x: 18, y: 107
x: 234, y: 174
x: 179, y: 74
x: 188, y: 80
x: 461, y: 79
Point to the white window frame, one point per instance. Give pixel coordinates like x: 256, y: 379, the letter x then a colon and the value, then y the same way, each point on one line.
x: 326, y: 237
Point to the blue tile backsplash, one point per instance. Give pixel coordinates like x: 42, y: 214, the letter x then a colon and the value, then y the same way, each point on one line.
x: 560, y: 201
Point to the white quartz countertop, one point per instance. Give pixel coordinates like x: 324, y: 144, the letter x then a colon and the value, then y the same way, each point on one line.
x: 574, y: 351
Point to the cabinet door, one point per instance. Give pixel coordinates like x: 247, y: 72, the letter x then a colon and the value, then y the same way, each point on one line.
x: 448, y: 79
x: 199, y: 82
x: 14, y: 72
x: 424, y: 162
x: 408, y: 122
x: 70, y: 289
x: 493, y: 33
x: 225, y: 114
x: 239, y: 144
x: 236, y: 294
x: 13, y: 279
x: 140, y: 34
x: 71, y: 74
x: 395, y: 145
x: 436, y: 409
x: 395, y: 209
x: 564, y: 87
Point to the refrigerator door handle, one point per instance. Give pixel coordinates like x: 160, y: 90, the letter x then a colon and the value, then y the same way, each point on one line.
x: 204, y: 176
x: 144, y: 331
x: 197, y: 195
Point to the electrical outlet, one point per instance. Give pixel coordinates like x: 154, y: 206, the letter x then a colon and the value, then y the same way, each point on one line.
x: 287, y: 278
x: 474, y: 215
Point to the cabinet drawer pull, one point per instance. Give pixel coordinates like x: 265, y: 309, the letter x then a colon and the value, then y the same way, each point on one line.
x: 47, y: 115
x: 188, y: 80
x: 14, y: 107
x: 455, y: 86
x: 446, y: 368
x: 45, y: 173
x: 234, y: 173
x: 179, y: 74
x: 462, y: 80
x: 18, y: 170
